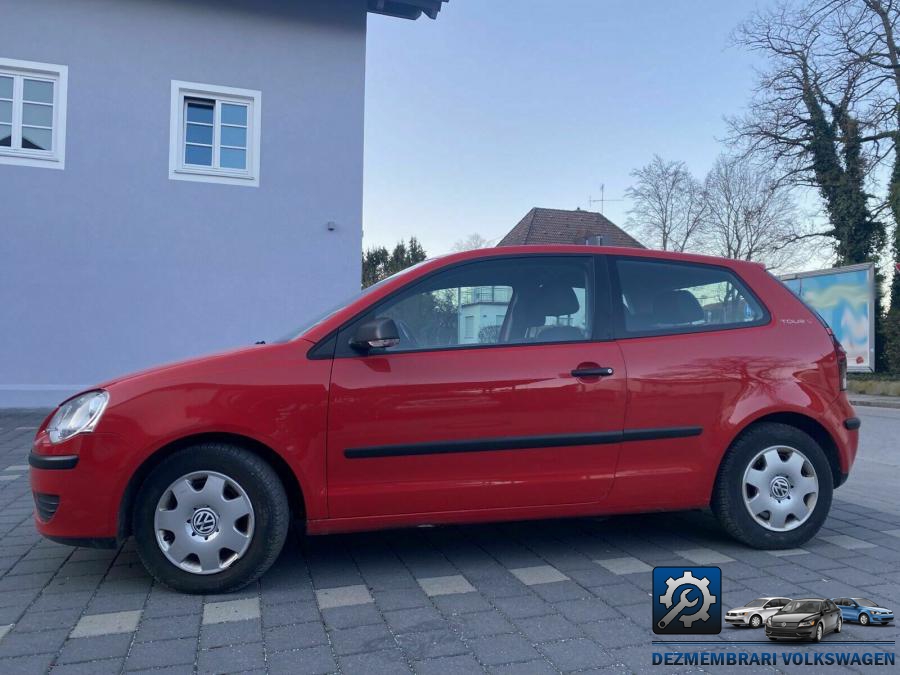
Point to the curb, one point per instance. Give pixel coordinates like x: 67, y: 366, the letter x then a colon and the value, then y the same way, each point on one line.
x: 876, y: 402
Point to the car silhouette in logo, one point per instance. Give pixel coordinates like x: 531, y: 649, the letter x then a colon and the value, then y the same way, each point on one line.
x: 755, y: 612
x: 863, y: 611
x: 806, y: 619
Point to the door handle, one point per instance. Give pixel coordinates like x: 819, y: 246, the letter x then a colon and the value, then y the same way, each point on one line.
x: 593, y: 372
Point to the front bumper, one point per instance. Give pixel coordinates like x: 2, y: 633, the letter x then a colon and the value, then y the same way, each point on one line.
x: 787, y: 632
x: 735, y: 620
x: 881, y: 618
x: 78, y: 486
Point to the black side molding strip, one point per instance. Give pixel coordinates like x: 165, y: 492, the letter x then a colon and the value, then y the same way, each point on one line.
x: 520, y: 442
x: 852, y: 423
x: 52, y: 461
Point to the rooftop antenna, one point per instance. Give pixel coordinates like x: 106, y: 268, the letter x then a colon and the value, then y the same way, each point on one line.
x: 602, y: 201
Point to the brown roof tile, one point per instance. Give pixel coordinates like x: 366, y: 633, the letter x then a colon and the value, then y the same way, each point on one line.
x: 560, y: 226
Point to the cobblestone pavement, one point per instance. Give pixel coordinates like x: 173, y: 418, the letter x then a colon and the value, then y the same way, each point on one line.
x: 537, y: 597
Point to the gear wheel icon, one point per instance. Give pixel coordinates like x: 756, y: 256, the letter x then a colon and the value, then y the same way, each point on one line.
x: 701, y: 584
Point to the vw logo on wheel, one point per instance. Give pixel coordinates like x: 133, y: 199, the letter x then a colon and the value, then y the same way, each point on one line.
x: 780, y: 487
x: 204, y: 521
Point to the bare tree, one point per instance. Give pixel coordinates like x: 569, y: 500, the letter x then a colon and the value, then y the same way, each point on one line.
x: 826, y: 113
x: 471, y: 242
x: 667, y: 204
x: 749, y: 215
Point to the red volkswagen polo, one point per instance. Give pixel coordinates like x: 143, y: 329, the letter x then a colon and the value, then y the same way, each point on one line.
x: 501, y: 384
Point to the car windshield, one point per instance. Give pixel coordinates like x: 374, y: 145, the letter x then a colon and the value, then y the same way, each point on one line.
x: 334, y: 309
x: 864, y: 602
x: 801, y: 607
x: 759, y: 602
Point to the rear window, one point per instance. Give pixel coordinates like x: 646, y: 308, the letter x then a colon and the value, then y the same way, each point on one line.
x: 660, y: 297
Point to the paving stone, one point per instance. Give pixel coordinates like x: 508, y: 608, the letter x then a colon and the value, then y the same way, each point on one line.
x: 361, y: 639
x: 387, y: 662
x: 500, y: 649
x: 230, y: 633
x: 540, y: 667
x: 576, y: 654
x: 233, y: 659
x: 624, y: 565
x: 111, y: 623
x: 97, y: 667
x: 449, y: 665
x: 524, y: 606
x: 848, y: 542
x: 704, y: 556
x: 461, y: 603
x: 351, y: 616
x: 288, y: 613
x: 481, y: 624
x: 455, y: 583
x: 96, y: 647
x: 788, y: 552
x: 540, y: 574
x: 312, y: 661
x: 162, y: 653
x: 168, y: 627
x: 588, y: 609
x: 343, y: 596
x: 231, y: 610
x: 404, y: 598
x: 547, y: 628
x: 414, y: 620
x: 431, y: 644
x: 297, y: 636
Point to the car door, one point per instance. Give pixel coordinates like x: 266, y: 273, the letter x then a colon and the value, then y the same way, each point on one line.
x: 688, y: 332
x: 505, y: 392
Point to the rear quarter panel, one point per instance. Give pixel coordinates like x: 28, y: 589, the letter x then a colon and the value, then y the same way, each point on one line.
x: 721, y: 381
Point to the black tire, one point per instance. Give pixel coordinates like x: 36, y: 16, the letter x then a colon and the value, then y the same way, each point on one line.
x: 271, y: 514
x: 755, y: 621
x: 727, y: 499
x: 772, y: 638
x: 820, y: 633
x: 864, y: 619
x: 840, y: 625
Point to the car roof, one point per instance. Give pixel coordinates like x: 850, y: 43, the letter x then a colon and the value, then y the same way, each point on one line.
x: 592, y: 250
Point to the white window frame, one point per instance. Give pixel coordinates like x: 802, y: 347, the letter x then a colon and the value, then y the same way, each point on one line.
x: 178, y: 170
x: 59, y: 75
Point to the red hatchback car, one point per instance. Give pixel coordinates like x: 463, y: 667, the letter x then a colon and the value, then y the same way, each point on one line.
x: 501, y: 384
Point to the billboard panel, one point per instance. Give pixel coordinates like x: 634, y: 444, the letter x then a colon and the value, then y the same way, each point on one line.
x: 845, y: 298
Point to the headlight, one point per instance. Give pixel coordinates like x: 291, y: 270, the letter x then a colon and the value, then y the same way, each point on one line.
x: 769, y: 621
x: 807, y: 623
x: 77, y: 415
x: 743, y: 613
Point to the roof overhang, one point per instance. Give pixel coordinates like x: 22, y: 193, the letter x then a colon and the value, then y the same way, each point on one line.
x: 407, y: 9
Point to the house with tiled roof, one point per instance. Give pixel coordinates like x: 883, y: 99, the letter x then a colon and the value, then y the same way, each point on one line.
x: 562, y: 226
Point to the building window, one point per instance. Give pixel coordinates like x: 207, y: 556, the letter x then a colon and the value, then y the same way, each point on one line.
x: 32, y: 113
x: 214, y: 134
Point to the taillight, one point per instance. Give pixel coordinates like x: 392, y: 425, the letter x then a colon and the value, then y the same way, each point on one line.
x: 842, y: 362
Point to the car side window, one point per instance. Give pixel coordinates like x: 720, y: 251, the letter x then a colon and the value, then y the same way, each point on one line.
x: 661, y: 297
x: 538, y: 299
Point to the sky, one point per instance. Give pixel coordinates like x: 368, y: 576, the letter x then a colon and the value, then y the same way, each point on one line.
x: 502, y: 105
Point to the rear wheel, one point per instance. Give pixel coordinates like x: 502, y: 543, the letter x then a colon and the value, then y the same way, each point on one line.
x: 774, y: 487
x: 210, y: 518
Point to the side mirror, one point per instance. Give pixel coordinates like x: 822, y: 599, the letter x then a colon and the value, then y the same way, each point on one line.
x: 376, y: 334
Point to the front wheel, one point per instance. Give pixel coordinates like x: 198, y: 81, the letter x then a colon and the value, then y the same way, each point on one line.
x: 774, y: 487
x: 755, y: 621
x: 820, y: 633
x: 840, y: 625
x: 864, y: 619
x: 210, y: 518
